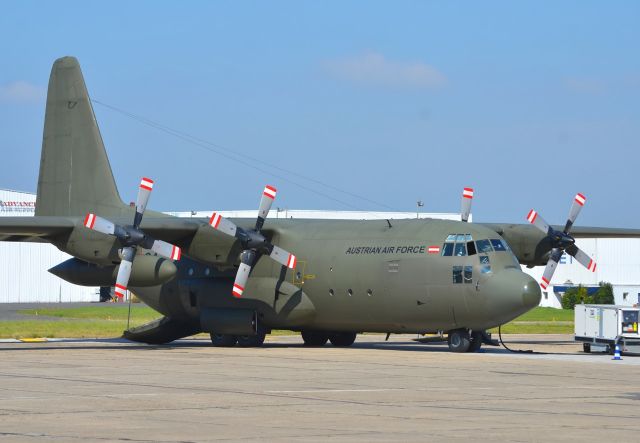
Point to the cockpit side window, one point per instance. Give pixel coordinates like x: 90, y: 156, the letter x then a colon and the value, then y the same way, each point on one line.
x: 460, y: 250
x: 471, y: 248
x: 483, y: 246
x: 498, y: 245
x: 447, y: 250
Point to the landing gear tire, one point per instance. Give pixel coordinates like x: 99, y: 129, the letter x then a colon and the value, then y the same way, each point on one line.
x: 314, y: 338
x: 223, y: 340
x: 476, y: 341
x: 459, y: 340
x: 342, y: 339
x: 586, y: 347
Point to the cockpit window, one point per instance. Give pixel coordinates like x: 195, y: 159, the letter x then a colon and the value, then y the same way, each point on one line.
x: 471, y: 248
x: 447, y: 250
x: 460, y: 250
x: 451, y: 238
x: 483, y: 246
x: 460, y: 238
x: 498, y: 245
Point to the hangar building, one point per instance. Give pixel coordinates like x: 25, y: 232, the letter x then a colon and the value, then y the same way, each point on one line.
x: 24, y: 276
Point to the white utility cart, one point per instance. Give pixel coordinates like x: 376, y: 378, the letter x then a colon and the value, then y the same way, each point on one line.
x: 601, y: 327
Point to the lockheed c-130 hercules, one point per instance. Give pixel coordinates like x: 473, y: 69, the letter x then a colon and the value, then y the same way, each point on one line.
x: 239, y: 279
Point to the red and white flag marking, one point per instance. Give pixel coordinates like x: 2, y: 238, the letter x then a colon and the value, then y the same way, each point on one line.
x: 269, y: 191
x: 580, y: 199
x: 433, y: 250
x: 146, y: 183
x: 467, y: 193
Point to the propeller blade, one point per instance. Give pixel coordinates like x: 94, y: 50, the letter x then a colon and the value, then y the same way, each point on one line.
x: 144, y: 192
x: 241, y: 280
x: 166, y: 249
x: 124, y: 271
x: 467, y: 197
x: 582, y: 257
x: 536, y: 220
x: 99, y: 224
x: 578, y: 203
x: 268, y: 196
x: 552, y: 264
x: 283, y: 257
x: 222, y: 224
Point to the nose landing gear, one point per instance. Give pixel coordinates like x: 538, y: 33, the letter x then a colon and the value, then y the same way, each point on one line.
x: 462, y: 340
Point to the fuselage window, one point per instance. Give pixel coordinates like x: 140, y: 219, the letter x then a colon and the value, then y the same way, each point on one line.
x: 468, y: 274
x: 485, y: 264
x: 498, y: 245
x: 460, y: 250
x: 457, y: 274
x: 483, y: 246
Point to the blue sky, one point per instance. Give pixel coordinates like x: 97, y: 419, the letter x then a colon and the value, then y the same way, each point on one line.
x: 528, y: 102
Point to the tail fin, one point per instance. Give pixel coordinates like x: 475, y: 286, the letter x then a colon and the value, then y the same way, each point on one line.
x: 75, y: 175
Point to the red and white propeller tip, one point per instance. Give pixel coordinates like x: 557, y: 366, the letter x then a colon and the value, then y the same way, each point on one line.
x: 580, y: 199
x: 467, y: 193
x: 89, y: 220
x: 120, y: 290
x: 544, y: 283
x: 146, y: 183
x: 531, y: 217
x: 269, y: 191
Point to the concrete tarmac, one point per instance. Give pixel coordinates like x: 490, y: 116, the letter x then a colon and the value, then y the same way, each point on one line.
x: 113, y: 390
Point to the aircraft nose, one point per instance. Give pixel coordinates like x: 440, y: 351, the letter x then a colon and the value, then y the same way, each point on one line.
x: 510, y: 293
x: 531, y: 293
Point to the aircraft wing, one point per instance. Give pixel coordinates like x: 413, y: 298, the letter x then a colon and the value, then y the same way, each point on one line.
x: 34, y: 229
x: 531, y: 246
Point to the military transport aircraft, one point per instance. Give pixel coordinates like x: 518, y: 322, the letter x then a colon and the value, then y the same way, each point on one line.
x: 238, y: 279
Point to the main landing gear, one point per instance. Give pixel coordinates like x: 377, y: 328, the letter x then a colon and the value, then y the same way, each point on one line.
x: 461, y: 340
x: 320, y: 338
x: 244, y: 341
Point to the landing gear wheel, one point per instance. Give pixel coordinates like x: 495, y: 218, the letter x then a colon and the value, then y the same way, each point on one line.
x: 253, y: 341
x: 223, y: 340
x: 342, y: 339
x: 476, y: 341
x: 314, y: 338
x: 586, y: 347
x: 459, y: 340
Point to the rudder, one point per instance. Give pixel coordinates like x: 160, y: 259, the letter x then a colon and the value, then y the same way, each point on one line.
x: 75, y: 175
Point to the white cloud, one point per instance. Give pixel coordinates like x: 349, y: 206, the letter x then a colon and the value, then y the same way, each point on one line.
x: 585, y: 85
x: 374, y: 69
x: 21, y: 92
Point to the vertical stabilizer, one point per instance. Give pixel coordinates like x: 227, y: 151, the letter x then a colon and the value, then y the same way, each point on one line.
x: 75, y: 175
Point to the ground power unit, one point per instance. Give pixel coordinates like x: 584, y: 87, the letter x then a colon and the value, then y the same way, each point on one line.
x: 601, y: 327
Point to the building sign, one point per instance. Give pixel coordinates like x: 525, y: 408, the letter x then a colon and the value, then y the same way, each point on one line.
x: 17, y: 206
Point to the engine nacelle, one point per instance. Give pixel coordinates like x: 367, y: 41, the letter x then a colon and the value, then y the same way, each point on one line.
x: 147, y: 270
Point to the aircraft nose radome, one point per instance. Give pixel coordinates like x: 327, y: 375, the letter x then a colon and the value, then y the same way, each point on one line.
x: 531, y: 293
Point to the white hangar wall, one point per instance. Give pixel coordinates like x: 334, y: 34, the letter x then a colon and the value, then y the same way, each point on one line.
x: 24, y: 276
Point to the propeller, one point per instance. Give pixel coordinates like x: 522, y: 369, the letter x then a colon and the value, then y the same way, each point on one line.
x: 254, y: 244
x: 467, y: 197
x: 562, y: 241
x: 132, y: 236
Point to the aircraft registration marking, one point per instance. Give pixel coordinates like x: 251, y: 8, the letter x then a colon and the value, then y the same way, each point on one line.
x: 363, y: 250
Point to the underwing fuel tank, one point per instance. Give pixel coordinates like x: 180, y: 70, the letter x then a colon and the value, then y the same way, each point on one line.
x: 147, y: 270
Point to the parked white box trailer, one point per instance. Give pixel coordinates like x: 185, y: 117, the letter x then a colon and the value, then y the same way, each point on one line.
x: 601, y: 327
